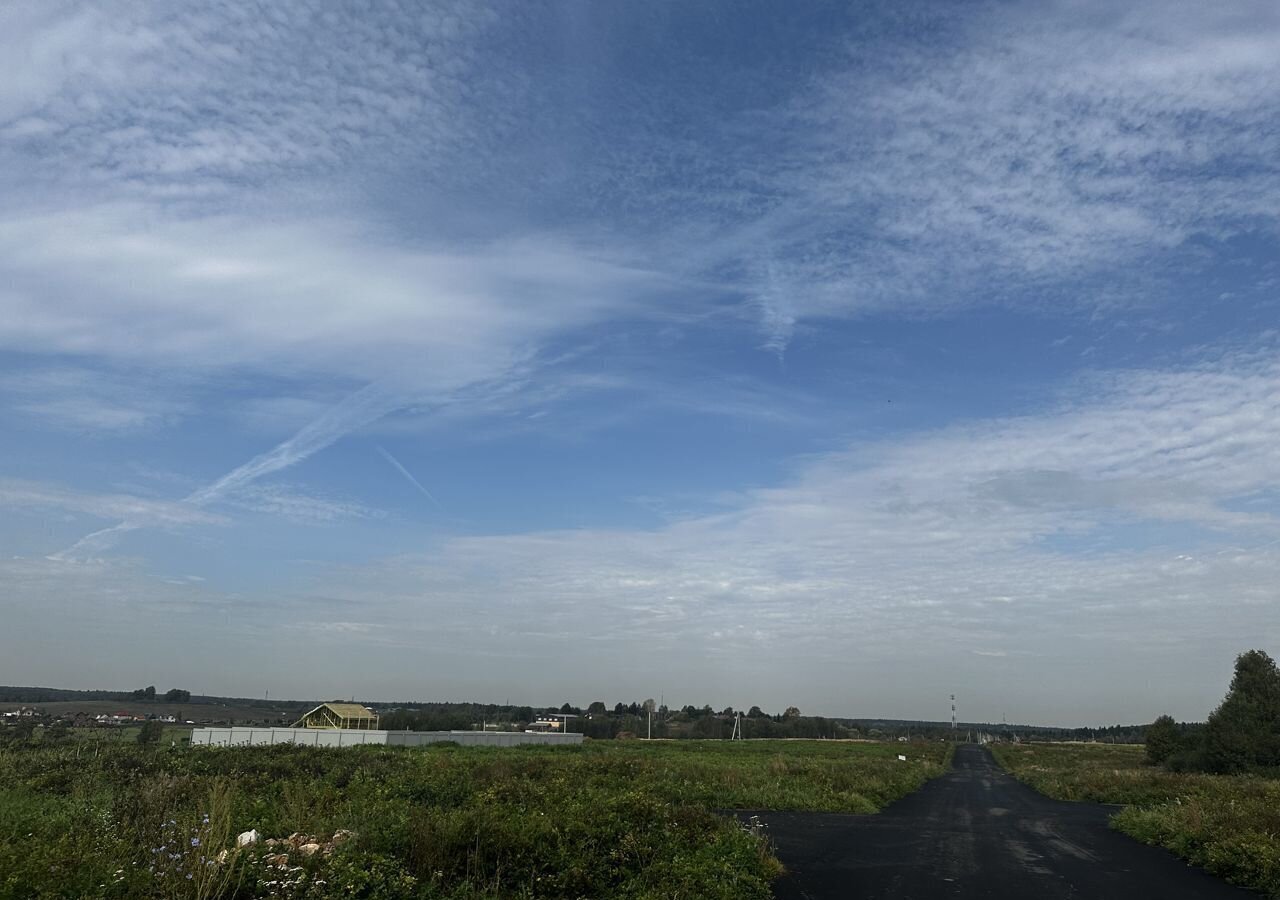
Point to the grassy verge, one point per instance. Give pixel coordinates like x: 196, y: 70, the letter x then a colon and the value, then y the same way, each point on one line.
x: 1227, y: 824
x: 603, y: 820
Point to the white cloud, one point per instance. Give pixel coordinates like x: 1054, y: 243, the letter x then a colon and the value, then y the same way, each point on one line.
x: 1002, y: 153
x: 934, y: 555
x: 20, y: 494
x: 914, y: 550
x: 127, y: 283
x: 179, y: 104
x: 89, y: 401
x: 335, y: 201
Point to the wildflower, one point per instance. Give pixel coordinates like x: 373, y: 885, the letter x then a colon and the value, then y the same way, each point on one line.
x: 195, y: 842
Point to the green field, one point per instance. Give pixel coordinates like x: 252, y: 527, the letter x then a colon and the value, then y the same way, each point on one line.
x: 1228, y: 824
x: 608, y: 819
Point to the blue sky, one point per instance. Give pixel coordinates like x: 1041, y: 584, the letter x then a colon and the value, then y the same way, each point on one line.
x: 845, y: 356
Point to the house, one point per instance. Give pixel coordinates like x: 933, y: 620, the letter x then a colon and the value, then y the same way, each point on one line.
x: 544, y: 726
x: 17, y: 715
x: 339, y: 715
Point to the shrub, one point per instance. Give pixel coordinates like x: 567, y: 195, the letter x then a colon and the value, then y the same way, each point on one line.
x: 150, y: 731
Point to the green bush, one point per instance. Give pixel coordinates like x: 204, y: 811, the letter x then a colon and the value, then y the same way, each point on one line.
x: 150, y: 731
x: 1162, y: 739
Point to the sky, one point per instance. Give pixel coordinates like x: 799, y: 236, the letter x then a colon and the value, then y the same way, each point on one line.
x: 836, y: 355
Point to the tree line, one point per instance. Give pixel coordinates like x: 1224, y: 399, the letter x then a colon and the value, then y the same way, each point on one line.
x: 173, y: 695
x: 11, y: 694
x: 634, y: 719
x: 1241, y: 735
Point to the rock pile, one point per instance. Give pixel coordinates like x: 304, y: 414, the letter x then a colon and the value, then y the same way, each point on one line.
x: 299, y: 842
x: 304, y: 845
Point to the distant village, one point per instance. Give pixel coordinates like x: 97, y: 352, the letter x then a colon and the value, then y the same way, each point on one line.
x: 36, y: 715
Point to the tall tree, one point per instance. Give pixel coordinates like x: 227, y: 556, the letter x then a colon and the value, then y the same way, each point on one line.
x: 1161, y: 739
x: 1244, y: 730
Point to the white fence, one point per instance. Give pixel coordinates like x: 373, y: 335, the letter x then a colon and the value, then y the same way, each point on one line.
x: 242, y: 736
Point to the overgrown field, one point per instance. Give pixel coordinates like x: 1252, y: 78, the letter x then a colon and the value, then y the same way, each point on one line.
x: 602, y: 820
x: 1228, y: 824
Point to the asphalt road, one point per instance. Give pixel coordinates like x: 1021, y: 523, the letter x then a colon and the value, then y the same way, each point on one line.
x: 977, y: 833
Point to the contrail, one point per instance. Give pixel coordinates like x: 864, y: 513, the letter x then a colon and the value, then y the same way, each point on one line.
x: 386, y: 454
x: 1248, y: 549
x: 361, y: 408
x: 366, y: 405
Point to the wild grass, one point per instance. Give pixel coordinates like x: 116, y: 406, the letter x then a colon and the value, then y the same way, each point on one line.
x: 607, y: 819
x: 1227, y: 824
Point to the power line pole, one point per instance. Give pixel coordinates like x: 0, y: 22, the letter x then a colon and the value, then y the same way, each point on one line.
x: 953, y: 718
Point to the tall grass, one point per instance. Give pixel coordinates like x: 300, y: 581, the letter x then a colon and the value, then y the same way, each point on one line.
x: 1227, y: 824
x: 602, y: 820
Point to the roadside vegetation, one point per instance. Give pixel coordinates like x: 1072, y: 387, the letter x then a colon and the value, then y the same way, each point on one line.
x: 1210, y: 793
x: 1227, y: 824
x: 616, y: 819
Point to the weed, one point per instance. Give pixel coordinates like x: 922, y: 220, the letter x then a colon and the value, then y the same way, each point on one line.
x: 607, y: 819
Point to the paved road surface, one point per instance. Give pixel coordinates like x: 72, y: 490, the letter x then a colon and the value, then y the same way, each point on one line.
x: 978, y: 833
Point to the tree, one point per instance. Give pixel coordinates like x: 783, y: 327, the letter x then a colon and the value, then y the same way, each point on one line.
x: 1244, y: 730
x: 150, y: 731
x: 176, y: 695
x: 597, y: 707
x: 792, y: 712
x: 649, y: 705
x: 1162, y: 740
x: 755, y: 713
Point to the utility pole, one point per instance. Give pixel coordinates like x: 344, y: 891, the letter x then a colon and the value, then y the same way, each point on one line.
x: 953, y: 718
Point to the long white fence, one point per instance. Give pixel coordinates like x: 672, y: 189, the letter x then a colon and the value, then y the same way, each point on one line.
x: 245, y: 736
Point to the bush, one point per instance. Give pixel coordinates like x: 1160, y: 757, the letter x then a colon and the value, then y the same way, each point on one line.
x: 1162, y: 739
x: 150, y: 731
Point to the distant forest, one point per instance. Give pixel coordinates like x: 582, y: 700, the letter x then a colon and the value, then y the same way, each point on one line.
x: 598, y: 720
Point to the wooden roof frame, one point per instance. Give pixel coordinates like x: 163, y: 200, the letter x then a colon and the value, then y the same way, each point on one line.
x: 339, y: 715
